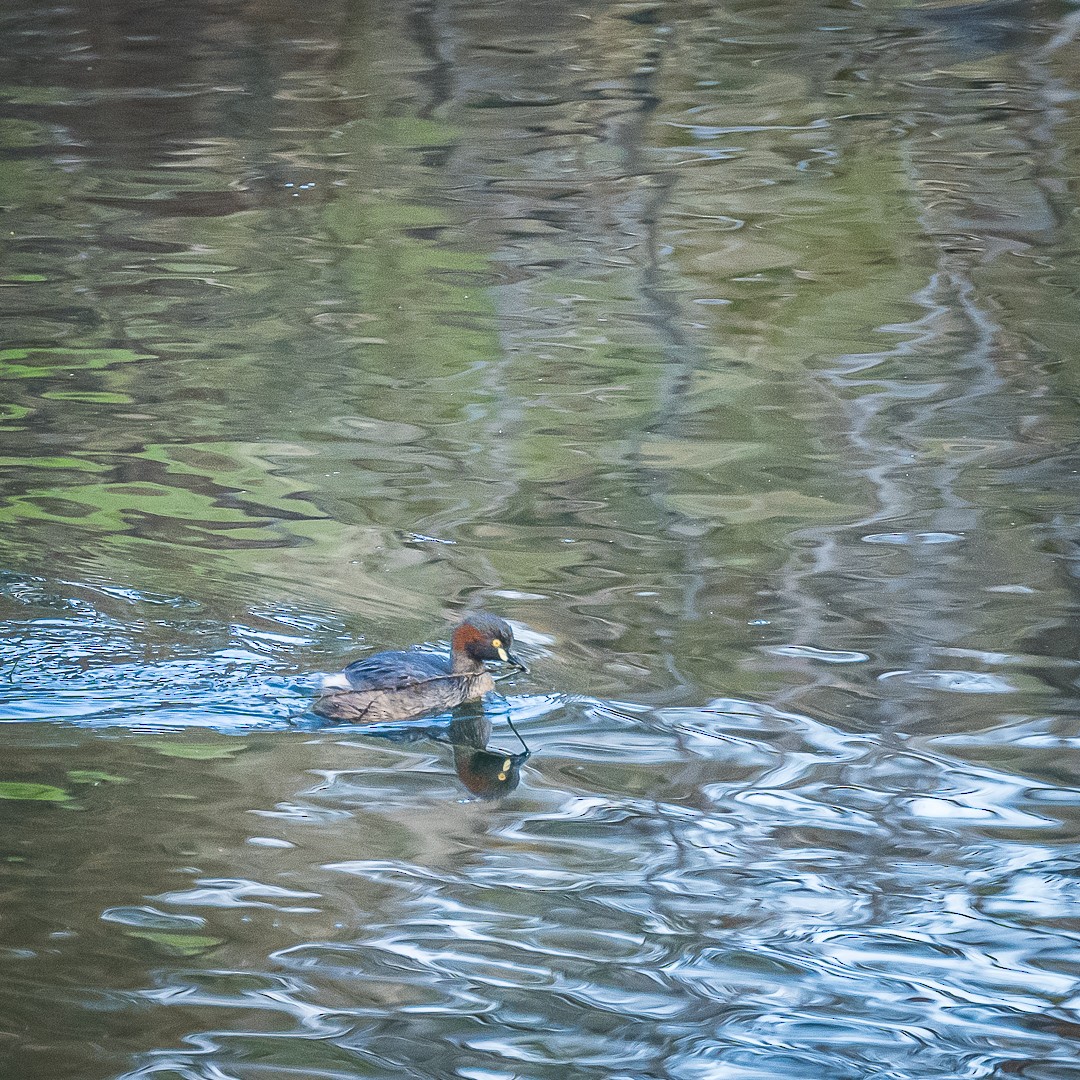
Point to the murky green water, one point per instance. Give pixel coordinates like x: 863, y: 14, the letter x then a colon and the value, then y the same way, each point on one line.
x: 729, y: 349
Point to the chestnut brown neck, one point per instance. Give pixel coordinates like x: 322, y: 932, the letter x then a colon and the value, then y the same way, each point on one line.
x: 461, y: 662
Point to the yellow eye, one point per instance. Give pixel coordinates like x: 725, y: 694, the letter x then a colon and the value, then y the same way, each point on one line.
x: 496, y: 643
x: 502, y: 776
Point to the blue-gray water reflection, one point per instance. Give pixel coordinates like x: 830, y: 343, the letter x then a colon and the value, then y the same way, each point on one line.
x: 713, y: 885
x: 727, y: 350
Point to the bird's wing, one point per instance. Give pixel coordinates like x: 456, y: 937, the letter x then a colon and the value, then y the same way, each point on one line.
x: 394, y: 670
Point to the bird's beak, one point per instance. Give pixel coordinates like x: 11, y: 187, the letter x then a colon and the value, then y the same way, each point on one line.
x: 510, y: 658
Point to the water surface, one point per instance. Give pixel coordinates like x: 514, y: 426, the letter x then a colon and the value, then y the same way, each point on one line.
x: 727, y: 350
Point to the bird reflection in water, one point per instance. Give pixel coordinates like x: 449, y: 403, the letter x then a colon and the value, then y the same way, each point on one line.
x: 487, y: 772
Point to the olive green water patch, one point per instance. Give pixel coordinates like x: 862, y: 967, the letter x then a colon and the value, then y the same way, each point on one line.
x: 89, y: 397
x: 748, y: 509
x: 76, y: 464
x: 188, y: 494
x: 23, y: 792
x: 35, y: 95
x: 194, y: 268
x: 95, y: 776
x: 21, y: 134
x: 116, y: 508
x: 193, y: 751
x: 173, y: 944
x: 13, y: 412
x: 41, y: 363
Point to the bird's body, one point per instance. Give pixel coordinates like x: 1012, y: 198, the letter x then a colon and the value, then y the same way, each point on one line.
x: 390, y: 686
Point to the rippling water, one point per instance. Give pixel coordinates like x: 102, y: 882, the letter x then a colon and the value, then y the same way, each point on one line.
x: 727, y: 350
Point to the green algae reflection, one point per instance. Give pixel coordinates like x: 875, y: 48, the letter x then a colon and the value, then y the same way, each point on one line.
x: 23, y: 792
x: 194, y: 751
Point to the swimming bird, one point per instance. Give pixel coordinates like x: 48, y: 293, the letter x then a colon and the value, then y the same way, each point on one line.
x: 389, y: 686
